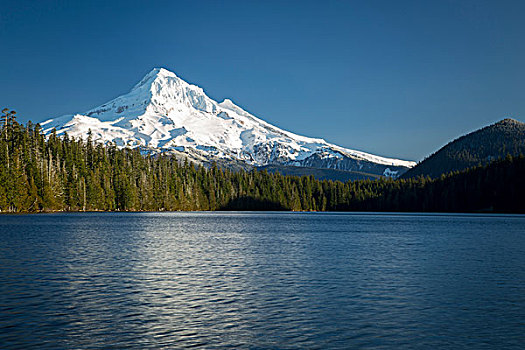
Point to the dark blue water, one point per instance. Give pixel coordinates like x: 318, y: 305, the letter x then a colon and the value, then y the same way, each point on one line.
x: 262, y: 281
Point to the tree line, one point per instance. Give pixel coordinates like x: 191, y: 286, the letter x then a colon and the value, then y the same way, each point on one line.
x: 51, y: 173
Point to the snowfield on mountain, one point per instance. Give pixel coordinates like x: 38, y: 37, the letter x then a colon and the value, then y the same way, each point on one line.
x: 165, y: 113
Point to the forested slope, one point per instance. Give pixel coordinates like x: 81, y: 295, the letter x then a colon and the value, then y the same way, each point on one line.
x: 477, y: 148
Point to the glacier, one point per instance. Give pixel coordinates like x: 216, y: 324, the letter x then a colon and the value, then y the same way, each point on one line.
x: 164, y: 113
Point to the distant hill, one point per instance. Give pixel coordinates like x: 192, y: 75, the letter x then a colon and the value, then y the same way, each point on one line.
x: 479, y: 147
x: 320, y: 174
x: 317, y: 173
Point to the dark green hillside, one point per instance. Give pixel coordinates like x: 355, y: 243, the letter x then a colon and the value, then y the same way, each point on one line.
x: 477, y: 148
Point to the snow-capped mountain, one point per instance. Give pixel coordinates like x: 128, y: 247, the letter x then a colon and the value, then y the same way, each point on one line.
x: 165, y: 113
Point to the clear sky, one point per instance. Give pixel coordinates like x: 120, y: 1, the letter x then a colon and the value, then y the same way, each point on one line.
x: 394, y: 78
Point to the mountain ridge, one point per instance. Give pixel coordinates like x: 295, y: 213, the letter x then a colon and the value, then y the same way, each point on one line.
x: 481, y: 146
x: 162, y: 112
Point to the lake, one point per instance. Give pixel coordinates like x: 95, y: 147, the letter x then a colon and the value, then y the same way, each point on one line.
x: 262, y: 281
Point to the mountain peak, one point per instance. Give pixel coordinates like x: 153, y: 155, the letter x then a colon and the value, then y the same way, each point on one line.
x: 159, y: 71
x: 155, y: 74
x: 509, y: 121
x: 162, y: 72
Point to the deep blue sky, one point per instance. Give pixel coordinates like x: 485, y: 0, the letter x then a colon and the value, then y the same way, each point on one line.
x: 395, y: 78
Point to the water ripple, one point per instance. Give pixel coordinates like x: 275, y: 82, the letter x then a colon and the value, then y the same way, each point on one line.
x: 261, y: 281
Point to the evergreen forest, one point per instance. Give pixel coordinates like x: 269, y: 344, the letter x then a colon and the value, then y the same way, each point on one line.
x: 45, y: 174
